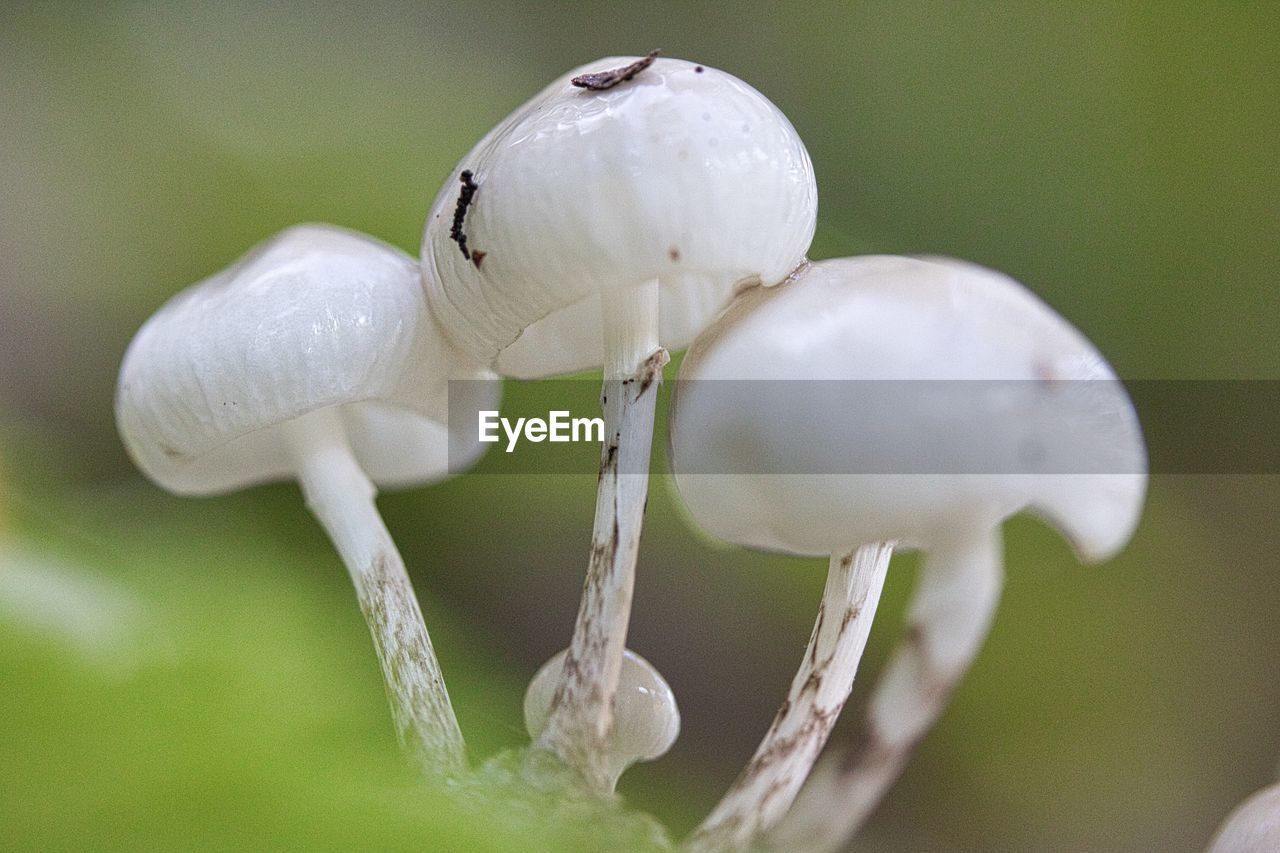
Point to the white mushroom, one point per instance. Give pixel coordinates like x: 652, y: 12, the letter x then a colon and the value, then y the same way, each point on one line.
x: 1254, y: 827
x: 813, y: 467
x: 646, y: 720
x: 312, y: 357
x: 610, y: 216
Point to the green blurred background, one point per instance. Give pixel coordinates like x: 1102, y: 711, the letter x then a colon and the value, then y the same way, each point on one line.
x: 183, y: 674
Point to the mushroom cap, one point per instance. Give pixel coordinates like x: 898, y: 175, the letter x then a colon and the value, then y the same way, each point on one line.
x: 780, y: 465
x: 314, y: 317
x: 1254, y: 827
x: 646, y: 719
x: 683, y: 174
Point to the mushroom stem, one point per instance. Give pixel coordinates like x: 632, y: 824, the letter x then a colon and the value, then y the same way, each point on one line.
x: 581, y: 713
x: 949, y: 617
x: 765, y: 789
x: 341, y: 497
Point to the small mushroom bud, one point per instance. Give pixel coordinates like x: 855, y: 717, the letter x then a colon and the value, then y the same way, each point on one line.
x: 646, y: 720
x: 965, y: 399
x: 613, y: 215
x: 312, y: 357
x: 1254, y: 827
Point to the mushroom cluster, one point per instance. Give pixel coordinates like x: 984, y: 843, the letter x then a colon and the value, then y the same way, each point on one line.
x: 841, y: 408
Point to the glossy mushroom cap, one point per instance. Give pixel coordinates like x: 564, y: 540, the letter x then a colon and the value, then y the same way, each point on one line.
x: 646, y: 719
x: 683, y: 174
x: 1254, y: 827
x: 314, y: 317
x: 818, y: 467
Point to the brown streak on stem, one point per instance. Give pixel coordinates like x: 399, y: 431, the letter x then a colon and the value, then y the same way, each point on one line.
x: 651, y: 370
x: 764, y: 790
x: 913, y: 692
x: 581, y: 714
